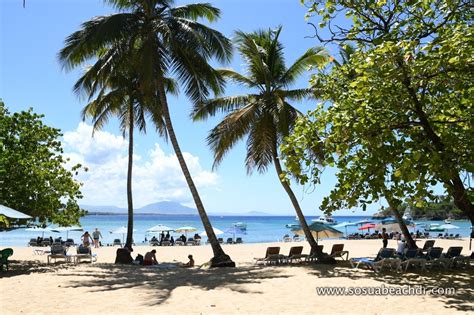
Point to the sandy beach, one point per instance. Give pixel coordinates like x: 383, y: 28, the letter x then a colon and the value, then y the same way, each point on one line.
x: 34, y: 287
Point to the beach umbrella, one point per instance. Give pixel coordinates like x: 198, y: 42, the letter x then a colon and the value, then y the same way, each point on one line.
x: 448, y: 227
x: 13, y: 214
x: 186, y: 229
x: 216, y: 231
x: 393, y: 227
x: 320, y: 230
x: 345, y: 225
x: 39, y: 230
x: 235, y: 231
x: 121, y: 230
x: 67, y: 229
x: 367, y: 226
x: 159, y: 228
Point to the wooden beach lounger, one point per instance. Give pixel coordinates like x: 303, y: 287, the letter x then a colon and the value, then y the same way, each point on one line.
x: 271, y: 256
x: 294, y: 255
x: 338, y: 251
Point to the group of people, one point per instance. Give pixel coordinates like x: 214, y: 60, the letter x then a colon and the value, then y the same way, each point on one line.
x: 87, y: 239
x: 168, y: 238
x: 150, y: 260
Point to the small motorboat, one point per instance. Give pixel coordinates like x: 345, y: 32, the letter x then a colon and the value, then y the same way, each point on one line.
x: 292, y: 225
x: 433, y: 227
x: 447, y: 221
x: 240, y: 225
x: 325, y: 220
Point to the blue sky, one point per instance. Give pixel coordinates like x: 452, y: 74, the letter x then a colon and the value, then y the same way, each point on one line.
x: 32, y: 77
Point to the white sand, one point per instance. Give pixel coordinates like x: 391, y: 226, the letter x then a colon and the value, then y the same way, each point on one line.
x: 33, y: 287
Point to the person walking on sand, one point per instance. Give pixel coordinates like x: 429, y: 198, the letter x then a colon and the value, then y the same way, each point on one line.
x: 96, y: 235
x: 384, y: 237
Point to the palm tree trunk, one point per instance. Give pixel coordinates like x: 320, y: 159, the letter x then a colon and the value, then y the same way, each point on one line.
x: 129, y: 241
x: 294, y: 201
x: 220, y: 259
x: 393, y: 204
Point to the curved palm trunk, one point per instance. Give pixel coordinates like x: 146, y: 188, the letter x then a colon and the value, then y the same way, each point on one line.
x: 220, y: 259
x: 299, y: 212
x: 129, y: 241
x: 393, y: 206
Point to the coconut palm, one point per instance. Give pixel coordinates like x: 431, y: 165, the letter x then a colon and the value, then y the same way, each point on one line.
x: 166, y: 41
x: 265, y: 116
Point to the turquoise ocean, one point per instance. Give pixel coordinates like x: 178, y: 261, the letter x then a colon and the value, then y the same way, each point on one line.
x: 259, y: 228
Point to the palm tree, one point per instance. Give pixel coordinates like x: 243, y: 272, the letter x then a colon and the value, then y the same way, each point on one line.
x: 166, y: 41
x: 119, y: 96
x: 265, y: 117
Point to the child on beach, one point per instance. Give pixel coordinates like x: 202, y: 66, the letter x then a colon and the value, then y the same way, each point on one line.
x: 190, y: 263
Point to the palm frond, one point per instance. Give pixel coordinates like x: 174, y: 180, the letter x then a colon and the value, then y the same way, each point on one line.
x: 203, y: 110
x: 312, y: 57
x: 95, y: 35
x: 261, y: 144
x: 196, y: 11
x: 237, y: 77
x: 230, y: 130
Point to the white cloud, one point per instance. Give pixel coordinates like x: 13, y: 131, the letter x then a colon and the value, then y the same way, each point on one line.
x: 156, y: 176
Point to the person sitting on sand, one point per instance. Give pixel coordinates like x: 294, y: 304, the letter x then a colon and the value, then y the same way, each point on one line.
x: 150, y: 258
x: 190, y: 263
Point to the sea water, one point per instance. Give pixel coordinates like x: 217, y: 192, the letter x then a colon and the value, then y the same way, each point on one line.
x: 259, y: 228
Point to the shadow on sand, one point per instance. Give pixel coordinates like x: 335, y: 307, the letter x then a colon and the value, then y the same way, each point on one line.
x: 460, y: 279
x: 160, y: 283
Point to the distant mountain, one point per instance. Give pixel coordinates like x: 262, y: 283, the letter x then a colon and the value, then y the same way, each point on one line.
x: 166, y: 207
x: 163, y: 207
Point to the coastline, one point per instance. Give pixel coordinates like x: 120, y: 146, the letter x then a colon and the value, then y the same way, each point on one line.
x: 248, y: 289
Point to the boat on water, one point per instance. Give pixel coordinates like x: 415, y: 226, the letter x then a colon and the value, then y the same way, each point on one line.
x: 433, y: 227
x: 240, y: 225
x: 292, y: 225
x: 325, y: 220
x: 448, y: 221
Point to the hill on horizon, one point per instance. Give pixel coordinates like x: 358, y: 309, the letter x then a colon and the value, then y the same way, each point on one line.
x: 164, y: 207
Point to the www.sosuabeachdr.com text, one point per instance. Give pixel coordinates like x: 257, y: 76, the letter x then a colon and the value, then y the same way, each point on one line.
x: 385, y: 290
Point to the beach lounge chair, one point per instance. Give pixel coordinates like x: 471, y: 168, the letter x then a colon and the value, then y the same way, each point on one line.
x: 69, y: 242
x: 287, y: 239
x: 117, y: 242
x: 57, y: 252
x: 385, y: 258
x: 238, y: 240
x: 165, y: 243
x: 220, y: 240
x: 412, y: 258
x: 179, y: 242
x: 154, y: 242
x: 428, y: 244
x: 84, y: 253
x: 294, y: 255
x: 46, y: 243
x: 190, y: 241
x: 230, y: 241
x: 338, y: 251
x: 312, y: 255
x: 453, y: 253
x: 272, y: 256
x: 33, y: 242
x: 434, y: 258
x: 4, y: 254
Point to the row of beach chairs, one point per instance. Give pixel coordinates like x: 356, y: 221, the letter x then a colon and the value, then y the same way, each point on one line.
x: 46, y: 242
x: 61, y: 252
x: 273, y: 256
x: 426, y: 258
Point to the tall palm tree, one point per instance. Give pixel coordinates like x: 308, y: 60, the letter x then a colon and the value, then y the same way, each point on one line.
x: 265, y: 116
x: 166, y: 41
x: 119, y: 96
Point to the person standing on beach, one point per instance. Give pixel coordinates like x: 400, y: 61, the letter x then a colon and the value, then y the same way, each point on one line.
x: 384, y: 237
x: 96, y: 235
